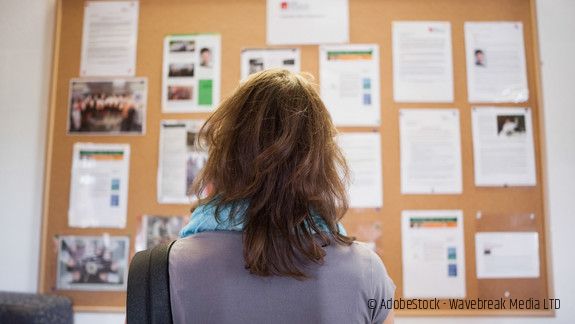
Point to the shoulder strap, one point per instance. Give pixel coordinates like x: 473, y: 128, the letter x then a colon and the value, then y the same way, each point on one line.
x: 160, y: 284
x: 148, y: 298
x: 138, y: 299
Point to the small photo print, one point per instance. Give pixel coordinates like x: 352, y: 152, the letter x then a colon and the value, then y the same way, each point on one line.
x: 510, y: 125
x: 479, y: 57
x: 366, y: 99
x: 367, y: 83
x: 176, y: 93
x: 452, y: 270
x: 114, y: 200
x: 288, y: 62
x: 451, y: 254
x: 196, y: 158
x: 181, y: 70
x: 92, y: 262
x: 182, y: 46
x: 160, y: 229
x: 206, y: 59
x: 115, y: 184
x: 256, y: 65
x: 107, y: 106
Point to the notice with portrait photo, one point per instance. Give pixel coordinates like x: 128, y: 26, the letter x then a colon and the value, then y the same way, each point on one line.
x: 99, y: 185
x: 496, y: 68
x: 503, y: 151
x: 181, y: 160
x: 191, y: 73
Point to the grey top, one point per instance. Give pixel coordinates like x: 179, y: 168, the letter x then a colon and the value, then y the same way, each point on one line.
x: 209, y: 284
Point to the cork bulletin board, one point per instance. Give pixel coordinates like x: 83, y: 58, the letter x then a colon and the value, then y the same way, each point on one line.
x: 242, y: 24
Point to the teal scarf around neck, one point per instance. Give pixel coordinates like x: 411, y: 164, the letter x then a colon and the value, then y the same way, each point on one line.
x: 203, y: 219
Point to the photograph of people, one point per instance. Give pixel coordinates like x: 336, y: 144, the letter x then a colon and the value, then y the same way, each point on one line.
x: 206, y: 57
x: 107, y: 106
x: 162, y: 229
x: 479, y: 58
x: 177, y: 46
x: 92, y: 262
x: 180, y: 92
x: 181, y: 70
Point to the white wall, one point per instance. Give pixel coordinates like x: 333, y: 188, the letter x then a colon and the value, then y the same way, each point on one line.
x: 25, y: 52
x: 25, y: 58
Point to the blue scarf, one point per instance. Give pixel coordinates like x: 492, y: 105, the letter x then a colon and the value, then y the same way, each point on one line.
x: 203, y: 219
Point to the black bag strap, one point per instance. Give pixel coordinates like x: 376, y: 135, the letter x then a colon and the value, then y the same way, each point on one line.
x: 160, y: 284
x: 148, y: 298
x: 138, y: 297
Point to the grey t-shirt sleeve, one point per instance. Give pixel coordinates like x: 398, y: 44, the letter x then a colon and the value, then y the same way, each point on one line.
x: 383, y: 292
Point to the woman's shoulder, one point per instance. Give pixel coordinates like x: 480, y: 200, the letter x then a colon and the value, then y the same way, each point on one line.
x: 357, y: 257
x: 357, y: 250
x: 358, y: 266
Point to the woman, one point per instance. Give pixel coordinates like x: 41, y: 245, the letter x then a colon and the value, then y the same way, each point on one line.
x: 264, y: 244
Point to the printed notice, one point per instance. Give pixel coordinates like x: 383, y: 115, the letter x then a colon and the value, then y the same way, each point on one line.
x: 496, y: 70
x: 349, y: 83
x: 363, y: 154
x: 503, y: 150
x: 507, y: 255
x: 191, y: 75
x: 430, y: 151
x: 181, y: 160
x: 99, y: 185
x: 110, y: 34
x: 307, y: 22
x: 422, y: 62
x: 433, y: 254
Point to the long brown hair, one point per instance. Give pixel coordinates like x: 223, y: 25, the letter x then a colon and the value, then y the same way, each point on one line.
x: 272, y: 143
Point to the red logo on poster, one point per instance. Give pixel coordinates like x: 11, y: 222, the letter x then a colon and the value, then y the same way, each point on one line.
x: 284, y: 4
